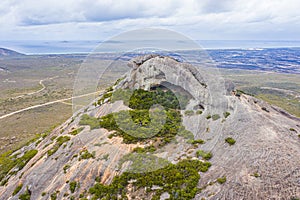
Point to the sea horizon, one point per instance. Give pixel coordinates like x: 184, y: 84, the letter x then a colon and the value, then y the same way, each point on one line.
x: 33, y: 47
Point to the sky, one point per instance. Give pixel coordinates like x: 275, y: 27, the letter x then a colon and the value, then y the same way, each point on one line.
x: 102, y: 19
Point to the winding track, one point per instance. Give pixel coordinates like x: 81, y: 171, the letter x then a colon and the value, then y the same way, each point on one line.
x: 38, y: 91
x: 45, y: 104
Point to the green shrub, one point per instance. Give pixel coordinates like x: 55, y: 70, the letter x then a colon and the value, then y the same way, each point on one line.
x: 91, y: 121
x: 189, y: 112
x: 204, y: 155
x: 53, y: 196
x: 105, y: 157
x: 59, y: 141
x: 76, y: 131
x: 86, y: 155
x: 150, y: 148
x: 17, y: 189
x: 198, y: 141
x: 73, y: 185
x: 208, y: 116
x: 25, y: 196
x: 226, y: 114
x: 292, y: 129
x: 66, y: 167
x: 256, y: 175
x: 230, y: 141
x: 221, y: 180
x: 119, y: 80
x: 215, y: 117
x: 199, y: 112
x: 107, y: 95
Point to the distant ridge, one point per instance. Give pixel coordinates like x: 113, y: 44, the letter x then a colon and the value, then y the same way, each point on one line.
x: 7, y: 52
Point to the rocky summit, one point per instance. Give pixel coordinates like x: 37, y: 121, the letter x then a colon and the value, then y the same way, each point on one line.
x: 165, y: 130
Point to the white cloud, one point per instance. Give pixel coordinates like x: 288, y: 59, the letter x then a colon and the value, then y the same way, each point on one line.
x: 206, y: 19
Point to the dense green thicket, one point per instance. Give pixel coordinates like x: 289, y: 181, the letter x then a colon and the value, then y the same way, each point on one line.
x: 179, y: 180
x: 142, y: 161
x: 8, y: 162
x: 139, y: 123
x: 141, y: 118
x: 142, y: 99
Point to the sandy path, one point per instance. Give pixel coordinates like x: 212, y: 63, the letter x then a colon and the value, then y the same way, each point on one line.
x: 45, y: 104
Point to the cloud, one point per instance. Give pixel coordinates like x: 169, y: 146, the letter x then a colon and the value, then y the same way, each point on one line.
x: 206, y: 19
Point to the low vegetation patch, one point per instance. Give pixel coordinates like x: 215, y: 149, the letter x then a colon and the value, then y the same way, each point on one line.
x: 91, y: 121
x: 26, y: 195
x: 226, y: 114
x: 189, y: 112
x: 53, y: 196
x: 198, y: 141
x: 66, y: 167
x: 59, y: 141
x: 150, y: 149
x: 85, y: 154
x: 76, y: 131
x: 179, y: 180
x: 199, y: 112
x: 256, y: 175
x: 73, y: 186
x: 230, y: 141
x: 204, y: 155
x: 105, y: 157
x: 17, y: 189
x: 215, y: 117
x: 221, y: 180
x: 292, y: 129
x: 9, y: 162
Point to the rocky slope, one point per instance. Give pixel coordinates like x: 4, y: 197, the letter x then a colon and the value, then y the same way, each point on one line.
x: 260, y: 162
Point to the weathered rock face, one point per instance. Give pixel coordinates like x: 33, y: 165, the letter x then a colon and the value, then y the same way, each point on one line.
x: 152, y: 70
x: 262, y: 164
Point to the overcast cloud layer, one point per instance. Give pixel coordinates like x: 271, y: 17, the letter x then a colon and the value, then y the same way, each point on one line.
x: 101, y: 19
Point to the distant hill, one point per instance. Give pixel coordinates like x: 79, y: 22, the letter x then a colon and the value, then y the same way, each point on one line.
x: 7, y: 52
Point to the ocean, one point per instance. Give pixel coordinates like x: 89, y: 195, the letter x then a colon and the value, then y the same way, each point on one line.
x: 84, y: 46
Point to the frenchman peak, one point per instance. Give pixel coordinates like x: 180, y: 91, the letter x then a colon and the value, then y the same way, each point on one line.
x: 165, y: 130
